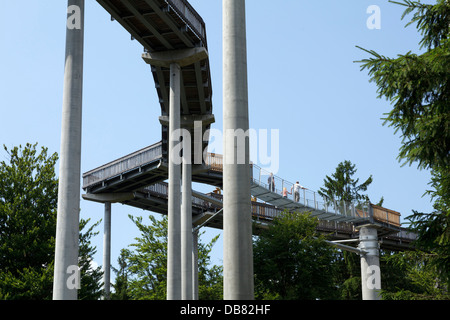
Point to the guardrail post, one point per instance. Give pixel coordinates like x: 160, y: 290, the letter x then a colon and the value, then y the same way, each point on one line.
x: 259, y: 176
x: 316, y: 205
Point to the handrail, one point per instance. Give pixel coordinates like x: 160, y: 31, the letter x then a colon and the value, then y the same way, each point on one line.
x: 308, y: 197
x: 259, y: 176
x: 195, y: 22
x: 122, y: 165
x: 212, y: 202
x: 259, y: 210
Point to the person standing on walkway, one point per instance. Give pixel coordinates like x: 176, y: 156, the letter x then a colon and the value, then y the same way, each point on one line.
x: 285, y: 192
x: 271, y: 182
x: 296, y: 189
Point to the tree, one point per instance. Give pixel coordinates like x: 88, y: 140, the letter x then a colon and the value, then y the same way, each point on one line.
x: 143, y: 271
x: 349, y: 276
x: 28, y: 198
x: 122, y: 274
x: 291, y: 260
x: 91, y: 276
x: 342, y: 187
x: 28, y: 201
x: 411, y: 276
x: 418, y: 87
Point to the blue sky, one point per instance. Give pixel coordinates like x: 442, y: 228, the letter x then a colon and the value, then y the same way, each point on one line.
x: 302, y: 81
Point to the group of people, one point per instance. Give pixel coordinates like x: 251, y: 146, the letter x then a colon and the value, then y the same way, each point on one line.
x: 295, y: 189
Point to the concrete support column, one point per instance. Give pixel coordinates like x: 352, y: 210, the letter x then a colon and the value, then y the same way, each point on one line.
x: 186, y: 223
x: 107, y: 251
x: 175, y: 59
x: 195, y: 265
x: 174, y: 205
x: 66, y: 273
x: 238, y: 251
x: 370, y: 264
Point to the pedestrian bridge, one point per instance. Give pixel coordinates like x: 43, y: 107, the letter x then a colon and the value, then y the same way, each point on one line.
x: 138, y: 179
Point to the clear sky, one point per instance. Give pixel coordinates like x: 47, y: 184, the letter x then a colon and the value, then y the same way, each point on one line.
x: 302, y: 81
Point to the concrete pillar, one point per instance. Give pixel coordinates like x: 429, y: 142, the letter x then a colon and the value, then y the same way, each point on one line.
x: 66, y: 274
x: 370, y: 264
x: 195, y: 265
x: 186, y: 223
x: 174, y: 210
x: 107, y: 251
x: 238, y: 251
x: 174, y: 59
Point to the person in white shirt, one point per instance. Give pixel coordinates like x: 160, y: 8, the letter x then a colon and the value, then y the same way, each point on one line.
x: 296, y: 189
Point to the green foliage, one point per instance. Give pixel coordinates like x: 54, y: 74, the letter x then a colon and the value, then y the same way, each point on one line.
x: 28, y: 201
x: 291, y: 261
x: 418, y: 86
x: 122, y: 275
x: 210, y: 279
x: 148, y: 263
x: 341, y: 186
x: 28, y: 198
x: 413, y: 276
x: 143, y: 271
x: 349, y: 276
x: 91, y: 278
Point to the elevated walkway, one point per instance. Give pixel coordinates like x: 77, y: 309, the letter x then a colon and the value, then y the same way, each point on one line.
x: 148, y: 166
x: 138, y: 179
x: 206, y: 211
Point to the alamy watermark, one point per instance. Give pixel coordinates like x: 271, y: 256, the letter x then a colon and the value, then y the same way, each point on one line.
x: 73, y: 279
x: 374, y: 20
x: 373, y: 280
x: 253, y: 142
x: 74, y: 18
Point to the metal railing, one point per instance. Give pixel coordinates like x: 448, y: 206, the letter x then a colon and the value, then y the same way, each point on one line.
x: 259, y: 210
x: 215, y: 161
x: 124, y: 164
x: 267, y: 212
x: 161, y: 189
x: 193, y: 19
x: 306, y: 197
